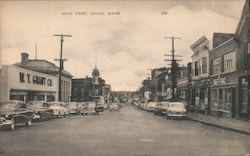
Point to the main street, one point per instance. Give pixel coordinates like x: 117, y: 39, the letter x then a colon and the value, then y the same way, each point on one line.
x: 127, y: 132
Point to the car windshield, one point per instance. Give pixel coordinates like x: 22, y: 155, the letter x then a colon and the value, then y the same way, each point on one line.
x: 164, y: 104
x: 178, y: 105
x: 72, y: 105
x: 54, y: 104
x: 35, y: 104
x: 9, y: 105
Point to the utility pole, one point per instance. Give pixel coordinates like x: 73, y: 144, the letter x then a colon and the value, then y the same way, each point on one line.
x: 174, y: 65
x: 61, y: 60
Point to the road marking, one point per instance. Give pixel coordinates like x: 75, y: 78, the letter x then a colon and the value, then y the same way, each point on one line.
x: 203, y: 133
x: 147, y: 140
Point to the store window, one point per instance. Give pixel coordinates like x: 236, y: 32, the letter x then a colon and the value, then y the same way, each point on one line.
x: 243, y: 95
x: 214, y: 101
x: 228, y: 99
x: 248, y: 49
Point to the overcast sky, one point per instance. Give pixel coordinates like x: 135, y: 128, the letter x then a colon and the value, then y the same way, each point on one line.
x: 126, y: 45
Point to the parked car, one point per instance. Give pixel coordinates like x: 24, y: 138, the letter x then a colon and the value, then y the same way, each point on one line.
x: 150, y: 106
x: 16, y: 112
x: 6, y: 124
x: 58, y: 108
x: 88, y: 108
x: 40, y: 108
x: 176, y: 110
x: 72, y: 107
x: 161, y: 108
x: 114, y: 107
x: 99, y: 106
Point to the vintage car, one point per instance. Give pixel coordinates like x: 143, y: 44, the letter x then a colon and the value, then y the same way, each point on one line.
x: 99, y: 108
x: 58, y: 108
x: 150, y: 106
x: 114, y: 107
x: 161, y: 108
x: 176, y: 110
x: 72, y: 108
x: 6, y: 124
x: 87, y: 108
x: 40, y: 108
x: 17, y: 112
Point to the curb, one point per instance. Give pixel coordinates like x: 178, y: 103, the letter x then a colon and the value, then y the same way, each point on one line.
x: 220, y: 126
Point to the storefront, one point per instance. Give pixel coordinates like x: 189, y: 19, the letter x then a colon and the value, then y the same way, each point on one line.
x: 200, y: 95
x: 223, y: 98
x: 27, y: 85
x: 244, y: 97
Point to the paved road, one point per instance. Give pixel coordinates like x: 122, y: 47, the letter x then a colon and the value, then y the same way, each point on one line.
x: 130, y: 132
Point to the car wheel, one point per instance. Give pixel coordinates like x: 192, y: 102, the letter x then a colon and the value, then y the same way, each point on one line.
x: 28, y: 123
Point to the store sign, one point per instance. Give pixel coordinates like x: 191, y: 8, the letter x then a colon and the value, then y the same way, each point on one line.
x: 34, y: 79
x: 219, y: 81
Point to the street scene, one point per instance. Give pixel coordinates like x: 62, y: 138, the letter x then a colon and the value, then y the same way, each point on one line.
x: 129, y: 78
x: 130, y: 131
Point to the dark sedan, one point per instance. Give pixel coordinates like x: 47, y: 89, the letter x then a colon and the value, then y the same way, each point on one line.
x: 16, y: 111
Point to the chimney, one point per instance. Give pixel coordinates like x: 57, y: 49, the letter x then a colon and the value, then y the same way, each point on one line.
x: 24, y: 57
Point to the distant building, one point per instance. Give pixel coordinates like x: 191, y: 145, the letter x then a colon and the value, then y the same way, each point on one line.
x: 86, y: 89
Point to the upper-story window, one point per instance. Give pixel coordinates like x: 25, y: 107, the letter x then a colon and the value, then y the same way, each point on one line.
x: 229, y: 62
x: 216, y: 66
x: 204, y: 65
x: 196, y: 68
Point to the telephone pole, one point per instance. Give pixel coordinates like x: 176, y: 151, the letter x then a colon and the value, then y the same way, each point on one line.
x: 61, y: 60
x: 174, y: 65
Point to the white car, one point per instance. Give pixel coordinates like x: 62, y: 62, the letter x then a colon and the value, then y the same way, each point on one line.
x: 161, y: 108
x: 72, y: 107
x: 58, y: 108
x: 150, y: 106
x: 176, y: 110
x: 114, y: 107
x: 6, y: 124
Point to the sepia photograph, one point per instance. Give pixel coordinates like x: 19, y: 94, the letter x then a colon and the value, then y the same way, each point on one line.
x: 125, y: 78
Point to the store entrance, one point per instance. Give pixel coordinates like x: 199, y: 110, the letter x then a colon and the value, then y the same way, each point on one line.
x: 244, y: 97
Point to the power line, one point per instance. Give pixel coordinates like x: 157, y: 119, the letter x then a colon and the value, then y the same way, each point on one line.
x: 174, y: 65
x: 61, y: 60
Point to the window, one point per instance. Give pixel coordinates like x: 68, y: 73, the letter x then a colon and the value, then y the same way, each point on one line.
x: 204, y: 65
x: 228, y: 99
x: 248, y: 49
x: 196, y: 68
x: 214, y: 102
x: 229, y: 62
x: 82, y: 92
x: 216, y: 66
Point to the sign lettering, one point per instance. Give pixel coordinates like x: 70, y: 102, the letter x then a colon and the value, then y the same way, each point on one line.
x: 35, y: 79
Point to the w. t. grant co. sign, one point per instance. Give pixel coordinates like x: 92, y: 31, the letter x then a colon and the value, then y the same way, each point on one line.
x: 34, y: 79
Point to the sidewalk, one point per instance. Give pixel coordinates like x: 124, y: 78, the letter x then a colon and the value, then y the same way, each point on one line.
x: 236, y: 125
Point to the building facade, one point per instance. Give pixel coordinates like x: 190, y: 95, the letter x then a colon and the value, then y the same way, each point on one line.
x: 27, y: 85
x: 86, y: 89
x: 242, y: 40
x: 200, y: 74
x: 46, y: 67
x: 223, y: 78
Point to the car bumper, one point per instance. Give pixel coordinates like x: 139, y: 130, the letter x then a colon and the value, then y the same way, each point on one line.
x: 177, y: 115
x: 72, y: 112
x: 36, y: 117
